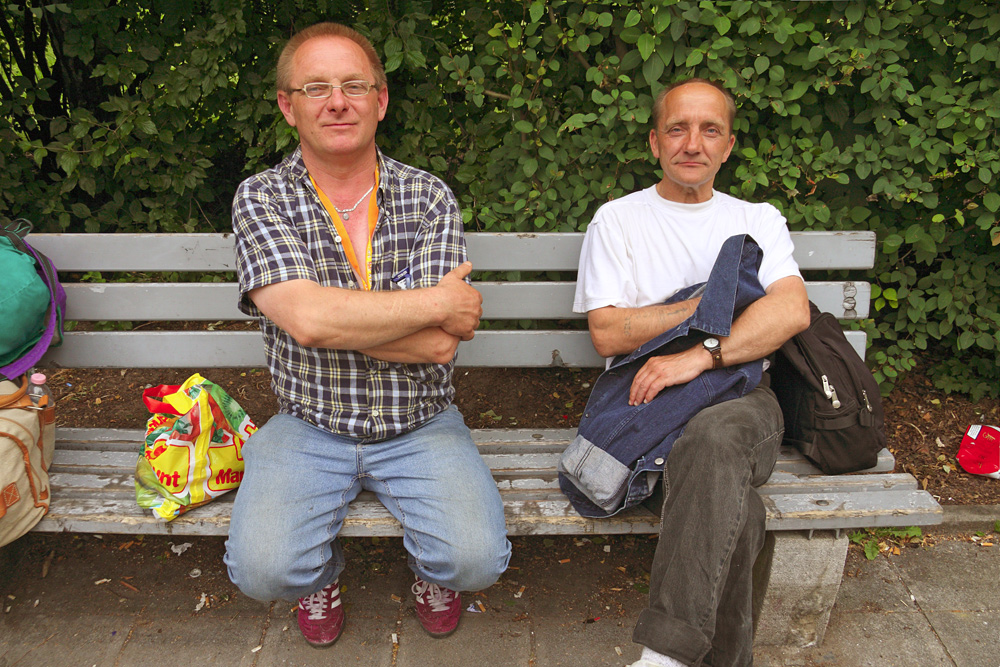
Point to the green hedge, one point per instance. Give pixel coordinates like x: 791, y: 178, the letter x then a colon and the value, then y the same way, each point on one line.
x: 136, y: 116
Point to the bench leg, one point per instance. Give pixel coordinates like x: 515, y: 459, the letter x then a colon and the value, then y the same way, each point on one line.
x: 796, y: 580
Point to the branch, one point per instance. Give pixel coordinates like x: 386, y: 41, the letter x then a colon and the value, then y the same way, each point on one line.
x: 17, y: 55
x: 579, y: 56
x: 40, y: 48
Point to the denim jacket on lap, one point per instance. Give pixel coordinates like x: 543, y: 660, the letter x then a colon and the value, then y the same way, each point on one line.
x: 615, y: 460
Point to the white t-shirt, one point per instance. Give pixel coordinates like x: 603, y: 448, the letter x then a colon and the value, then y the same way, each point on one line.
x: 642, y: 248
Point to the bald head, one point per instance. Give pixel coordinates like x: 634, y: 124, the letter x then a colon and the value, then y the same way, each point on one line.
x: 661, y: 99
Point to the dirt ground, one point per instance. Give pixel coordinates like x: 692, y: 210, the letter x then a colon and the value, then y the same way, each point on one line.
x: 924, y: 426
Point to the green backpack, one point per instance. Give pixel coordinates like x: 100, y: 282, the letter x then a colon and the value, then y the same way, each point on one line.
x: 31, y: 302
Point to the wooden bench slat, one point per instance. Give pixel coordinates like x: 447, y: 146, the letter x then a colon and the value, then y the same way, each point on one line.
x: 544, y: 515
x: 75, y: 447
x: 796, y: 511
x: 212, y: 302
x: 530, y: 460
x: 489, y: 252
x: 245, y: 349
x: 76, y: 438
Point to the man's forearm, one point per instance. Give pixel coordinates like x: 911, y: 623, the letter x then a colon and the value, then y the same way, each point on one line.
x: 432, y: 345
x: 621, y: 330
x: 335, y: 318
x: 761, y: 328
x: 767, y: 323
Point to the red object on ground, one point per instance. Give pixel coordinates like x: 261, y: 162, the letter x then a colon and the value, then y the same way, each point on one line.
x: 979, y: 452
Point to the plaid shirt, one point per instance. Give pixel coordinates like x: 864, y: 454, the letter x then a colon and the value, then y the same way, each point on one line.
x: 284, y: 233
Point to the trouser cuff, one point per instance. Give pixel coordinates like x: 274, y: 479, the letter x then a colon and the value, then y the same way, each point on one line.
x: 670, y: 636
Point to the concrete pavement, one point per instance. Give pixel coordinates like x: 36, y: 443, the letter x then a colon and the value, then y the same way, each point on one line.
x: 119, y: 601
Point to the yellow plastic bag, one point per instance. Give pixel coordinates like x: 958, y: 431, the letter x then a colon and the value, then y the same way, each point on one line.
x: 194, y: 447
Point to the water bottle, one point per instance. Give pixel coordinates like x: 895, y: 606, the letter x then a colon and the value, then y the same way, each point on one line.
x: 39, y: 392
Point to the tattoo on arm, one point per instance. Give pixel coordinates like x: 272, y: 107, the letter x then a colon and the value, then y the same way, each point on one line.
x: 663, y: 317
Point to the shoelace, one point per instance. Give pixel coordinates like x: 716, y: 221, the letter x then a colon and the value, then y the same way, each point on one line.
x: 316, y: 604
x: 436, y: 596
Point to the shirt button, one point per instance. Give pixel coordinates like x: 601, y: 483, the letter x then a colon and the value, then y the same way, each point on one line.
x: 658, y: 462
x: 374, y: 413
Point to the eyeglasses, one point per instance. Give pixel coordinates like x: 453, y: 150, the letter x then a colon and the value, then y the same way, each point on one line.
x: 320, y: 90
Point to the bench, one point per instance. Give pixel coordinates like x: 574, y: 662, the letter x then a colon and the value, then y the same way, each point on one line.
x: 798, y: 574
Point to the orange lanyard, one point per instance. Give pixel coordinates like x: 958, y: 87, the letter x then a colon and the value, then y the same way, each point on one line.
x: 365, y: 277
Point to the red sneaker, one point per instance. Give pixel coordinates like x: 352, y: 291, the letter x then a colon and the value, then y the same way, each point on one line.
x: 321, y: 618
x: 438, y: 608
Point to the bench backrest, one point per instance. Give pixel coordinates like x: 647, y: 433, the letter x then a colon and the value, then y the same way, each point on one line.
x: 215, y: 302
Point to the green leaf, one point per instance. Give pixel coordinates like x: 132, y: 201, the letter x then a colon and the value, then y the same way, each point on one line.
x: 146, y: 125
x: 646, y: 44
x: 661, y: 20
x: 992, y: 201
x: 536, y: 11
x: 652, y: 69
x: 68, y: 161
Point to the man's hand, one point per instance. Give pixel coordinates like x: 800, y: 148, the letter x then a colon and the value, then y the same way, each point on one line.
x: 462, y: 303
x: 668, y: 371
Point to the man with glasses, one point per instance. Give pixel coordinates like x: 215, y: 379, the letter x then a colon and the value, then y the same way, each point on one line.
x: 355, y: 266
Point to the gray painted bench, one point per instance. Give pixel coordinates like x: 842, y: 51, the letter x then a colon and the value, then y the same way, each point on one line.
x: 807, y: 512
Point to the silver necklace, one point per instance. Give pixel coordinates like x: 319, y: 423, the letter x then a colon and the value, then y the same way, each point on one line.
x: 346, y: 213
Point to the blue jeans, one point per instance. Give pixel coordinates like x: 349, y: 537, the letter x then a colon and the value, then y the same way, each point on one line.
x: 299, y: 480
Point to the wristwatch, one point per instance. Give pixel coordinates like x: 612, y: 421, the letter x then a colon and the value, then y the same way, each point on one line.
x: 715, y: 349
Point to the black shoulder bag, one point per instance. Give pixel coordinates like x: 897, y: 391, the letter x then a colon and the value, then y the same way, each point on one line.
x: 831, y: 402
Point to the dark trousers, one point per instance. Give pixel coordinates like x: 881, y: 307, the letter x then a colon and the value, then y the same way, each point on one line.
x: 700, y: 593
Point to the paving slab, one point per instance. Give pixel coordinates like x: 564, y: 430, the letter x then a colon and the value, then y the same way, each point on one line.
x: 856, y: 639
x: 953, y: 575
x: 221, y: 642
x: 872, y: 587
x: 34, y: 639
x: 365, y: 641
x: 481, y: 637
x: 971, y: 638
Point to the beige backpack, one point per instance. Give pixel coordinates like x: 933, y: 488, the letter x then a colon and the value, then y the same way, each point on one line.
x: 27, y: 440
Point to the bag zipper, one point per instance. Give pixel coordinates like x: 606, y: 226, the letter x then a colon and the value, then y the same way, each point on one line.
x: 831, y: 393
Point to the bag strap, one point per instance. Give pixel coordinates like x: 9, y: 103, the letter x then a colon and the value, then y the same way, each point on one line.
x: 15, y: 232
x: 7, y: 400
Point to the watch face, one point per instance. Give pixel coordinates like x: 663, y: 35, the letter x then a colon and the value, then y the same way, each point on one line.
x: 711, y: 342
